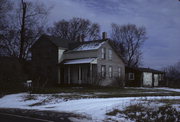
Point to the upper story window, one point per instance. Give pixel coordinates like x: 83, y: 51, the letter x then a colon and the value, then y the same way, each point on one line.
x: 110, y: 54
x: 131, y: 76
x: 103, y: 53
x: 103, y: 71
x: 119, y: 71
x: 110, y: 71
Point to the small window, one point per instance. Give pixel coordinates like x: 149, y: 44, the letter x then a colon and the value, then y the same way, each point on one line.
x: 103, y: 71
x: 103, y: 53
x: 119, y: 71
x: 131, y: 76
x: 110, y: 71
x: 110, y: 54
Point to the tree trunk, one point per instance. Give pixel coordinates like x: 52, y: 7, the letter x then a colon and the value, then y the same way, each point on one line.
x: 22, y: 31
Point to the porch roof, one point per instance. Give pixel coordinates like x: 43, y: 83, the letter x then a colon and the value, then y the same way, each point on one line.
x: 82, y: 61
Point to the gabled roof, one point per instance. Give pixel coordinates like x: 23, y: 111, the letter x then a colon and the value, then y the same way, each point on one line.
x: 142, y: 69
x: 57, y: 41
x: 77, y: 46
x: 149, y: 70
x: 92, y: 45
x: 85, y: 46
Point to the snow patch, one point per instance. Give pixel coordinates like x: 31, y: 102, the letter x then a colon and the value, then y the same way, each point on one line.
x: 169, y: 89
x: 89, y: 46
x: 96, y: 108
x: 80, y: 61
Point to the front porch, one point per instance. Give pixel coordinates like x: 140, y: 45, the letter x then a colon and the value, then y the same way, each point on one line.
x: 78, y: 71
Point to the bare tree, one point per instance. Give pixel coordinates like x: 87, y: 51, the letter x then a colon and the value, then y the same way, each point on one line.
x: 32, y: 18
x: 128, y: 41
x: 173, y: 75
x: 24, y: 28
x: 5, y: 8
x: 72, y: 29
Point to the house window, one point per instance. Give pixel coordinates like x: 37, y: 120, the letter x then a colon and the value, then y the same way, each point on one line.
x: 110, y: 71
x: 131, y: 76
x: 110, y: 54
x: 103, y: 53
x: 103, y: 71
x: 119, y: 71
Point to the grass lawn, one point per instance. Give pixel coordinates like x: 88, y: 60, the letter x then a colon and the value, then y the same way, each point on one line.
x: 106, y: 92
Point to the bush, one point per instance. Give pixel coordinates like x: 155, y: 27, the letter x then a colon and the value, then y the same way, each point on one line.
x: 140, y: 113
x: 118, y: 81
x: 97, y: 80
x: 173, y: 75
x: 12, y: 75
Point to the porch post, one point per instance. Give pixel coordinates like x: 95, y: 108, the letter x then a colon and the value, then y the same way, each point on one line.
x: 91, y: 74
x: 142, y: 79
x: 59, y: 75
x: 152, y: 79
x: 79, y: 74
x: 69, y: 75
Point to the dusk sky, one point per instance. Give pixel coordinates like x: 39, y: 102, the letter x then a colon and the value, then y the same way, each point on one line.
x: 160, y: 17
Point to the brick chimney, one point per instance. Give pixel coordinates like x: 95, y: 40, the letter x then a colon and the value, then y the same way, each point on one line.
x: 104, y: 35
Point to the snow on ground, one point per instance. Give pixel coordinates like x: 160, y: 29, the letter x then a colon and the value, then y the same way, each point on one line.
x: 92, y: 107
x: 169, y: 89
x: 160, y: 88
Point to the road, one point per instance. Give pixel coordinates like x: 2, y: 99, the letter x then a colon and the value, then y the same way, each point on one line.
x: 16, y: 118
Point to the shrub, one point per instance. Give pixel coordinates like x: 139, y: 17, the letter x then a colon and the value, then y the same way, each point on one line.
x: 12, y: 75
x: 118, y: 81
x: 140, y: 113
x: 97, y: 80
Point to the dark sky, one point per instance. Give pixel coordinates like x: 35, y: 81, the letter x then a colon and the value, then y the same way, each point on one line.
x: 160, y: 17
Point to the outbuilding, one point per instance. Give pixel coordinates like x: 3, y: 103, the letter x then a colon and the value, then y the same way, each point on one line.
x: 143, y: 77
